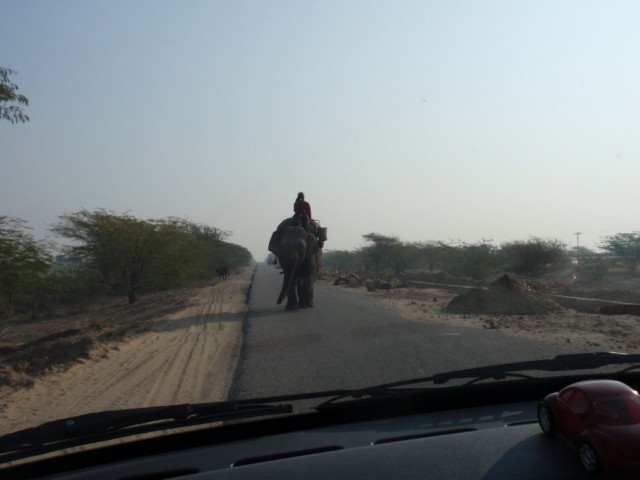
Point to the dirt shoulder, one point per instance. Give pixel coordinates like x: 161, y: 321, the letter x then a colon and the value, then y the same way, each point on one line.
x: 583, y: 331
x: 177, y: 347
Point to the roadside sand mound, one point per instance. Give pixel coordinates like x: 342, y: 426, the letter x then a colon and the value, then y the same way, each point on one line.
x: 507, y: 283
x: 505, y: 296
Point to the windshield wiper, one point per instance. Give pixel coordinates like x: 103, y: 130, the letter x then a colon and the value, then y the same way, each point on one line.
x: 560, y: 363
x: 107, y: 425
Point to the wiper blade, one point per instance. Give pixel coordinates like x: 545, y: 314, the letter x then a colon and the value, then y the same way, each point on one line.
x: 560, y: 363
x: 107, y: 425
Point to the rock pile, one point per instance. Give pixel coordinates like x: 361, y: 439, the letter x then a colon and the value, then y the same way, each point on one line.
x: 507, y: 295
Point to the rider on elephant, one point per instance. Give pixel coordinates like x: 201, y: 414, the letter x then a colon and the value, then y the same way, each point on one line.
x: 302, y: 210
x: 302, y: 214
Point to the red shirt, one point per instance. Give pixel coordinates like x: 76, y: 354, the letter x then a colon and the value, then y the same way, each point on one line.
x: 302, y: 207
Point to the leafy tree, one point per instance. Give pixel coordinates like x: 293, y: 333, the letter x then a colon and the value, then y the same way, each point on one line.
x: 22, y: 260
x: 626, y: 246
x: 177, y: 257
x: 381, y: 253
x: 431, y: 254
x: 213, y: 250
x: 129, y: 254
x: 236, y: 255
x: 340, y: 259
x: 72, y: 284
x: 200, y: 231
x: 533, y: 256
x: 405, y: 256
x: 10, y: 99
x: 593, y: 268
x: 475, y: 260
x: 192, y: 251
x: 119, y: 248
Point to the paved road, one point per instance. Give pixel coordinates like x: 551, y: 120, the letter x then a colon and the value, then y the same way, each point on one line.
x: 348, y: 341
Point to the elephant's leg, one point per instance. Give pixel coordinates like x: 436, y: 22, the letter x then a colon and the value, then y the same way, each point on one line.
x: 309, y: 279
x: 307, y: 300
x: 292, y: 297
x: 310, y: 294
x: 306, y: 296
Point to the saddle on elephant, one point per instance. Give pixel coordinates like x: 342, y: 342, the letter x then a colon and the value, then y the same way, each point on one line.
x: 312, y: 226
x: 320, y: 232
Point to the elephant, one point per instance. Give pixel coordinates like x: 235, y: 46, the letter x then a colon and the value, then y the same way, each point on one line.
x: 299, y: 256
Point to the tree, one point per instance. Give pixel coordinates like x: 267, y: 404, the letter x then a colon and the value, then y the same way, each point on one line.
x: 475, y: 260
x: 431, y: 254
x: 402, y: 256
x: 177, y: 258
x: 192, y: 251
x: 342, y: 260
x: 533, y: 256
x: 593, y: 268
x: 120, y: 248
x: 22, y: 259
x: 10, y: 99
x: 381, y: 253
x: 72, y: 284
x: 626, y: 246
x: 129, y: 254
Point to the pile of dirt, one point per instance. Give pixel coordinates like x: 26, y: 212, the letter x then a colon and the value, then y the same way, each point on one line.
x: 505, y: 296
x: 508, y: 283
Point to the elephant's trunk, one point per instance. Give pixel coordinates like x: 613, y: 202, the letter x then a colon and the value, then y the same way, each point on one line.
x: 286, y: 283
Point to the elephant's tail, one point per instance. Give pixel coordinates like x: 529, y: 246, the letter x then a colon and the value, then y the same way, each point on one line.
x: 286, y: 284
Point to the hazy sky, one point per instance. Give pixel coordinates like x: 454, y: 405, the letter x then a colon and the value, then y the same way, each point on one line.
x: 429, y: 120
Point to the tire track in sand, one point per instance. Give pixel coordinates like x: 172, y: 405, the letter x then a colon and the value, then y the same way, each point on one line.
x: 188, y: 357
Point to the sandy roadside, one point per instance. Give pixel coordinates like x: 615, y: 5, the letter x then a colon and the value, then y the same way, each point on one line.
x: 188, y: 357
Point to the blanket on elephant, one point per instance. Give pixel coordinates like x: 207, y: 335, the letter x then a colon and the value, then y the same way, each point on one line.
x: 312, y: 227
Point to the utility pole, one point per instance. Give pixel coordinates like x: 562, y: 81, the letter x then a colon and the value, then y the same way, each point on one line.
x: 577, y: 234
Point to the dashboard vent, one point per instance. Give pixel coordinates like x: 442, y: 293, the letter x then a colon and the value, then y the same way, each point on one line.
x: 422, y: 435
x: 280, y: 456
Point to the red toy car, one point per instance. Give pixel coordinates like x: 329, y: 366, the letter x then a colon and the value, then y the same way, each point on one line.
x: 601, y: 421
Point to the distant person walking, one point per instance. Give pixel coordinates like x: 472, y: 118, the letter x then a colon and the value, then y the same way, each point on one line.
x: 302, y: 210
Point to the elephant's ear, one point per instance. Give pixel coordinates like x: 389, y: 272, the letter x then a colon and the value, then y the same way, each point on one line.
x: 274, y: 242
x: 312, y: 246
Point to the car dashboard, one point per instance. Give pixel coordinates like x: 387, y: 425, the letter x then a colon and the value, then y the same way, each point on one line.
x: 493, y: 441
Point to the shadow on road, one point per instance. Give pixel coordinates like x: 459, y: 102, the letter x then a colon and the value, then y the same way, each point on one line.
x: 266, y: 312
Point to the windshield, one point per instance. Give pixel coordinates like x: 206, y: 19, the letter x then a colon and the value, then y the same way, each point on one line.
x: 233, y: 200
